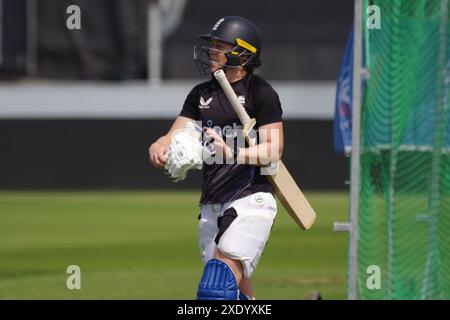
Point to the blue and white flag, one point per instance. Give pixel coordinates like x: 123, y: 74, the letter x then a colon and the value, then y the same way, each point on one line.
x: 343, y: 105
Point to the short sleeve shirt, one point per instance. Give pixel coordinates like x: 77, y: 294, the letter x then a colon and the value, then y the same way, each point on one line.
x: 207, y: 103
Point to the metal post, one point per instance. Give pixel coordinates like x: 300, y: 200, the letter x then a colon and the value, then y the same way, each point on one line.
x: 154, y: 47
x: 1, y: 32
x: 32, y: 37
x: 355, y: 162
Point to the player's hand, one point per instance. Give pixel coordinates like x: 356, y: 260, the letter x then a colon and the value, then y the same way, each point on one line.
x: 188, y: 151
x: 158, y: 153
x: 185, y: 153
x: 219, y: 144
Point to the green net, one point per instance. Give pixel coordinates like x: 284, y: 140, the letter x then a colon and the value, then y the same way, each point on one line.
x: 404, y: 213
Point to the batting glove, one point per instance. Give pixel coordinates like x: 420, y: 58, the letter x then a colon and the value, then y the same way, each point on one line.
x: 187, y: 152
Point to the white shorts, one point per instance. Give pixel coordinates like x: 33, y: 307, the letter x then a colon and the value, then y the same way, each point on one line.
x: 239, y: 229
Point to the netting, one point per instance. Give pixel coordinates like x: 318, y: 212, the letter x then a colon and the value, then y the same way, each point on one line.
x: 404, y: 213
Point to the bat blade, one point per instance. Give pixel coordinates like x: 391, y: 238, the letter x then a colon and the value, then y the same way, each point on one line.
x: 292, y: 198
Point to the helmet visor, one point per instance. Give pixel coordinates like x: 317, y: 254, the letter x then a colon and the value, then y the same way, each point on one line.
x: 204, y: 58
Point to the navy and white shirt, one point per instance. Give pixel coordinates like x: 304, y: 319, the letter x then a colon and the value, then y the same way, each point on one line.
x: 207, y: 103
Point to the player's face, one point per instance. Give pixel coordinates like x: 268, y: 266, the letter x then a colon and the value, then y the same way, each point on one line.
x: 218, y: 55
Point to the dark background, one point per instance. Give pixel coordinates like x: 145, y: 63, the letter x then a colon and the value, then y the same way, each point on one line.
x: 302, y: 40
x: 114, y: 154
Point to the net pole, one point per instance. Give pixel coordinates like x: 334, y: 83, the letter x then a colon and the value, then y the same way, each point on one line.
x: 355, y: 162
x: 439, y: 129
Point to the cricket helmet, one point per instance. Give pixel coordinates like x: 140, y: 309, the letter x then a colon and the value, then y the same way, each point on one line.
x: 241, y: 34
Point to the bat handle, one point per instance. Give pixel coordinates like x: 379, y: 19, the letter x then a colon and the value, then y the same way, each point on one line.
x: 231, y: 95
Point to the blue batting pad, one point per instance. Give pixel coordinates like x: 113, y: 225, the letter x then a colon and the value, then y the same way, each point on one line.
x: 217, y: 282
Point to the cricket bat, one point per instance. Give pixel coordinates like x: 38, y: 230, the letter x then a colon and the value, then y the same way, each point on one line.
x: 287, y: 191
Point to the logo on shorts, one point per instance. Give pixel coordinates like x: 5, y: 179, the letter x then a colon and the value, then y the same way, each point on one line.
x: 204, y: 104
x: 259, y: 199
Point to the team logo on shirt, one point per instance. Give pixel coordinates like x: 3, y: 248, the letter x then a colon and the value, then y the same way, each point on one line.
x: 204, y: 104
x: 241, y: 99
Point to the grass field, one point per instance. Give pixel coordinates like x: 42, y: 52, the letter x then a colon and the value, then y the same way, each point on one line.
x: 143, y: 245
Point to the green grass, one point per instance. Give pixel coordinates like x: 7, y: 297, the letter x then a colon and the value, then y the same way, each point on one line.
x: 143, y: 245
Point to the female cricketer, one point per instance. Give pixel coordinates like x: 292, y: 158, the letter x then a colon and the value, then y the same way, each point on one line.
x: 237, y: 202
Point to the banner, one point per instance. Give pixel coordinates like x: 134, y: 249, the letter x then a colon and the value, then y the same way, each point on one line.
x: 343, y: 106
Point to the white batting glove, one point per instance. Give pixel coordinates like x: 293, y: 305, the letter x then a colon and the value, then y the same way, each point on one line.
x: 187, y: 152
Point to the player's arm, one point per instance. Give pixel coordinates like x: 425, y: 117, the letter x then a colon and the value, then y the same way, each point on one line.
x: 158, y: 150
x: 269, y: 148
